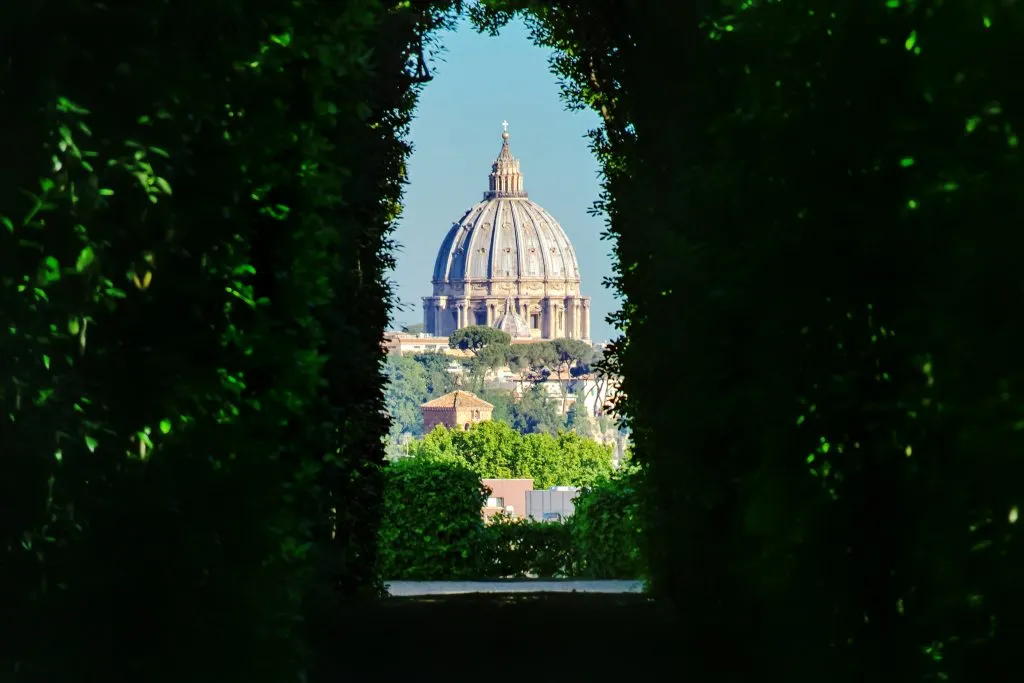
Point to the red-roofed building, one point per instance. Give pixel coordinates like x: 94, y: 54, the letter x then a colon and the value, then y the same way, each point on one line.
x: 455, y: 410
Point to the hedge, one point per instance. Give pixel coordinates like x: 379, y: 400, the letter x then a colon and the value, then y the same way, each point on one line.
x: 607, y: 528
x: 513, y: 548
x: 431, y: 524
x: 433, y: 529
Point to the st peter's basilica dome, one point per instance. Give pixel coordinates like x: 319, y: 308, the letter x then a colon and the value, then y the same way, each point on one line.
x: 507, y: 256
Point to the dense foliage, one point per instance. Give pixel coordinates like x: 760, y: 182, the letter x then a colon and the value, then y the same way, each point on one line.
x: 195, y: 206
x: 433, y: 529
x: 578, y: 421
x: 608, y: 529
x: 411, y: 381
x: 536, y: 412
x: 824, y: 224
x: 520, y: 548
x: 496, y: 450
x: 478, y: 337
x: 432, y: 520
x: 815, y: 201
x: 504, y: 402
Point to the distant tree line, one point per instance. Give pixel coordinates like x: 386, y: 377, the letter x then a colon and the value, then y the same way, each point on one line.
x: 493, y: 349
x: 415, y: 379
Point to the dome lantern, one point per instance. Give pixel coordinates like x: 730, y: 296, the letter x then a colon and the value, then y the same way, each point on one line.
x: 505, y: 180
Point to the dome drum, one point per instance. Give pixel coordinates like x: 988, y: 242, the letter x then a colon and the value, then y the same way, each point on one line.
x: 507, y: 262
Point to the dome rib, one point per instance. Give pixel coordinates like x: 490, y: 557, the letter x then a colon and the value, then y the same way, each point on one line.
x: 545, y: 238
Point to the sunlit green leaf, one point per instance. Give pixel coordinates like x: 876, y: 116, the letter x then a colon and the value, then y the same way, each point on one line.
x: 85, y: 259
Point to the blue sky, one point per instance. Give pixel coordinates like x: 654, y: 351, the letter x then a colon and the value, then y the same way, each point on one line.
x: 457, y: 134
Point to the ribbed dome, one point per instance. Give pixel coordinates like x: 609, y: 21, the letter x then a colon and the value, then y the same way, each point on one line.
x: 506, y: 236
x: 507, y: 263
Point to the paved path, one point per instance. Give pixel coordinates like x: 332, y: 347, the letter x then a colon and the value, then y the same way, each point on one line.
x: 408, y: 588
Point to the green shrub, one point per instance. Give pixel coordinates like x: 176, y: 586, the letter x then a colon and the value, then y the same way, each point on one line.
x: 432, y: 521
x: 519, y: 548
x: 433, y: 529
x: 495, y: 450
x: 607, y: 528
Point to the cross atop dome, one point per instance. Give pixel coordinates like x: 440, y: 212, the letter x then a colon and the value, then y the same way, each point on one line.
x: 505, y: 179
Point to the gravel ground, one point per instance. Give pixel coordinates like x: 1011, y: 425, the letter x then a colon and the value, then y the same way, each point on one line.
x: 411, y: 588
x: 543, y: 637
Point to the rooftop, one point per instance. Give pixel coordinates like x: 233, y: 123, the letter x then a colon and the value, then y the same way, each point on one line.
x: 457, y: 399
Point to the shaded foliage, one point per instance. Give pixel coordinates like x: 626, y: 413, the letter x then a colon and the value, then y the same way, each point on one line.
x: 503, y: 402
x: 577, y: 420
x: 536, y: 412
x: 435, y: 370
x: 193, y: 239
x: 822, y: 226
x: 513, y: 548
x: 411, y: 381
x: 432, y: 519
x: 825, y: 226
x: 405, y: 390
x: 607, y: 528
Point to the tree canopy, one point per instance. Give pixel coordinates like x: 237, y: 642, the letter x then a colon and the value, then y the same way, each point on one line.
x: 534, y: 356
x: 496, y: 450
x: 411, y: 381
x: 477, y: 337
x: 536, y: 412
x: 575, y: 352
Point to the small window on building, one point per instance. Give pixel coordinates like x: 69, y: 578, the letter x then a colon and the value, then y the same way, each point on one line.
x: 495, y: 502
x: 481, y: 317
x: 466, y: 427
x: 534, y: 321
